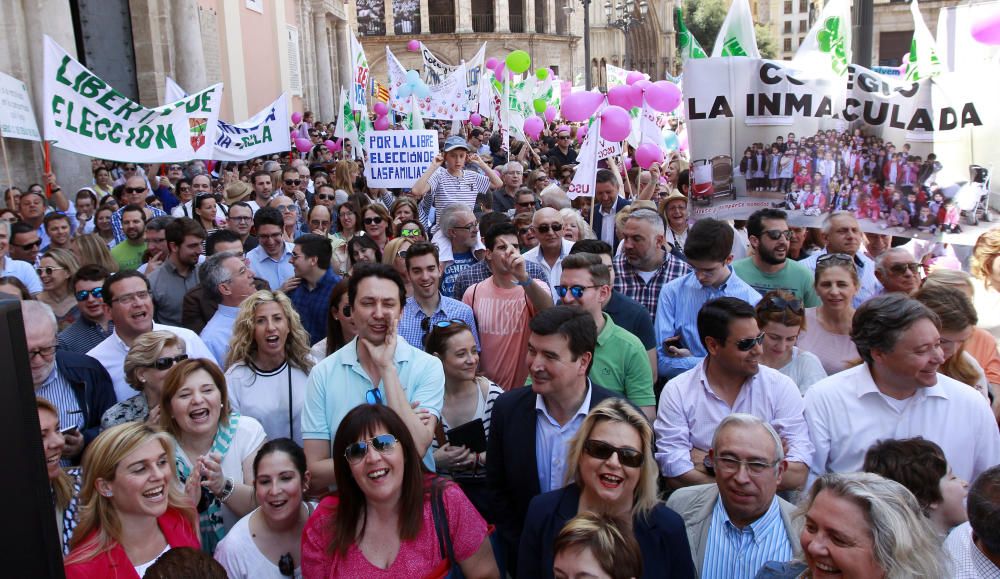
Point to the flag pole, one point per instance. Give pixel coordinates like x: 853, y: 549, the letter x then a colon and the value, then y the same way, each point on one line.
x: 6, y: 166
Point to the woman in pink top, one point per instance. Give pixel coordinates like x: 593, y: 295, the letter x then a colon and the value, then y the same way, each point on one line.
x: 379, y: 524
x: 829, y: 326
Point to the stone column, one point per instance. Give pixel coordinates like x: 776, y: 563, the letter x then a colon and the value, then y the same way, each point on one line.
x: 189, y: 54
x: 390, y: 19
x: 501, y: 16
x: 463, y: 16
x: 550, y: 22
x: 343, y: 55
x: 425, y: 17
x: 324, y: 70
x: 529, y: 16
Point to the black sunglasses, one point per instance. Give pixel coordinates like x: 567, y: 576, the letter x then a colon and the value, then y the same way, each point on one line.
x: 97, y: 292
x: 373, y: 220
x: 293, y: 181
x: 135, y: 189
x: 746, y: 344
x: 545, y: 227
x: 167, y: 362
x: 629, y: 457
x: 900, y: 268
x: 357, y: 452
x: 776, y: 234
x: 326, y: 197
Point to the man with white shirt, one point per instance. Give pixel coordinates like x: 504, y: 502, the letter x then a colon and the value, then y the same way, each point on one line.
x: 552, y: 246
x: 272, y: 258
x: 609, y: 203
x: 898, y: 393
x: 130, y: 304
x: 843, y: 235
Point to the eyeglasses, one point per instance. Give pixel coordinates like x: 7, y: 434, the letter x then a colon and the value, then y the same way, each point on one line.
x: 288, y: 208
x: 576, y: 290
x: 135, y: 189
x: 383, y: 443
x: 269, y: 236
x: 410, y: 233
x: 47, y: 270
x: 241, y: 219
x: 629, y: 457
x: 776, y: 234
x: 545, y: 227
x: 131, y: 298
x: 293, y: 182
x: 96, y: 292
x: 746, y: 344
x: 326, y: 197
x: 167, y: 363
x: 470, y: 227
x: 729, y: 465
x: 373, y: 220
x: 29, y: 246
x: 43, y: 352
x: 374, y: 396
x: 776, y: 304
x: 524, y: 231
x: 900, y: 268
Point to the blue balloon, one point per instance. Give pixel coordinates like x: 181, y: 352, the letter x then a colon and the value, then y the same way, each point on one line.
x: 404, y: 91
x: 422, y: 91
x: 412, y: 77
x: 670, y: 141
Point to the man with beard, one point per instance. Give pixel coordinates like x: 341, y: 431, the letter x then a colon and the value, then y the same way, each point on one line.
x: 179, y: 272
x: 134, y: 194
x: 644, y: 266
x: 128, y: 254
x: 729, y: 379
x: 768, y: 268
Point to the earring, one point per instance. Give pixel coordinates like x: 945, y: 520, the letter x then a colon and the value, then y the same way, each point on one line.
x: 108, y: 494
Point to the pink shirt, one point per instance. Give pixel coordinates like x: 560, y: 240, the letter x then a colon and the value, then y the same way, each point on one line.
x: 836, y: 351
x: 416, y: 558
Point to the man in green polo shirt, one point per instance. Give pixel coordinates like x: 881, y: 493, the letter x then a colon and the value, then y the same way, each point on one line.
x: 128, y: 254
x: 620, y: 361
x: 768, y: 268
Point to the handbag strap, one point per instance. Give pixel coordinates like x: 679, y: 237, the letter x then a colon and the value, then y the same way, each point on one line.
x: 440, y: 515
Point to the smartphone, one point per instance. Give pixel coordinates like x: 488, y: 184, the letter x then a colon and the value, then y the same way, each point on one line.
x: 674, y: 341
x: 74, y: 430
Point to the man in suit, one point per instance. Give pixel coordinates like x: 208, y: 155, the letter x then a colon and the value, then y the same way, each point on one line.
x: 609, y: 203
x: 530, y: 428
x: 741, y: 508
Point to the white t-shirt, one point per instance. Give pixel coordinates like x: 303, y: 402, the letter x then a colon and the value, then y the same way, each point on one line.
x: 248, y: 438
x: 264, y: 396
x: 241, y: 558
x: 140, y: 570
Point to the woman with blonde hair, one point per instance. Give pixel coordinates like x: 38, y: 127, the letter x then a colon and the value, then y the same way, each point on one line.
x: 344, y: 174
x: 131, y: 507
x: 987, y: 280
x: 593, y: 545
x: 147, y: 363
x: 403, y: 209
x: 56, y: 268
x: 64, y: 483
x: 610, y: 470
x: 394, y: 255
x: 269, y: 364
x: 93, y: 249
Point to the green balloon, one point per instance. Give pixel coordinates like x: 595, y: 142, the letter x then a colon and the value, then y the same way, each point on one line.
x: 518, y: 61
x: 542, y: 73
x: 498, y: 86
x: 540, y: 105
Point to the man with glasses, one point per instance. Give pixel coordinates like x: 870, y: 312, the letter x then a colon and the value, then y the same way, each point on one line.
x: 129, y: 303
x: 290, y: 213
x: 729, y: 379
x: 272, y: 259
x: 155, y: 236
x: 20, y: 269
x: 552, y: 246
x: 768, y: 268
x: 76, y: 385
x: 240, y: 222
x: 377, y: 367
x: 739, y: 523
x: 525, y: 201
x: 292, y: 186
x: 620, y: 362
x: 842, y: 234
x: 135, y: 193
x: 228, y: 281
x: 897, y: 271
x: 25, y: 243
x: 94, y: 323
x: 512, y: 175
x: 563, y: 153
x: 129, y: 252
x: 461, y: 229
x: 313, y: 282
x: 427, y: 306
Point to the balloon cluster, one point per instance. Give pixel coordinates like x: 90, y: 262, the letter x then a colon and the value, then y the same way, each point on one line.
x: 381, y: 116
x: 616, y: 122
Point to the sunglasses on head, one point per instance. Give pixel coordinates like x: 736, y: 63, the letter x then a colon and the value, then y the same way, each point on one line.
x: 167, y: 363
x: 374, y: 396
x: 576, y: 290
x: 629, y: 457
x: 835, y: 258
x: 545, y: 227
x: 373, y: 220
x: 96, y: 292
x: 776, y: 304
x: 383, y: 443
x: 746, y: 344
x: 900, y: 268
x: 776, y: 234
x: 425, y: 324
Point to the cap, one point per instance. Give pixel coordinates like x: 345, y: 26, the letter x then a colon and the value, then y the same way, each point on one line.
x: 456, y: 142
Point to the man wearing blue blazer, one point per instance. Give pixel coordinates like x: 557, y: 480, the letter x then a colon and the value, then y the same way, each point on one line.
x: 609, y: 203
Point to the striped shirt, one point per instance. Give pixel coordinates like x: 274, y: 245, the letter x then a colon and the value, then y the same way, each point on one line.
x: 732, y: 553
x: 446, y: 190
x: 83, y: 335
x: 56, y: 389
x: 629, y: 282
x: 484, y: 411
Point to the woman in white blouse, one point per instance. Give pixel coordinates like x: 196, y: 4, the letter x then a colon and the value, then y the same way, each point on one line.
x: 781, y: 316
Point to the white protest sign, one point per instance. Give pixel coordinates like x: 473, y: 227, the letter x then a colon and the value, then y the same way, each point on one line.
x: 83, y: 114
x: 17, y: 120
x: 398, y: 158
x: 585, y: 178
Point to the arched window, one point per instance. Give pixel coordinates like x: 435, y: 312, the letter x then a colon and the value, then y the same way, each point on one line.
x: 603, y: 82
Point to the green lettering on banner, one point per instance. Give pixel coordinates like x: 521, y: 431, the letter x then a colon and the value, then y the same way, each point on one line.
x: 85, y: 122
x: 57, y: 102
x: 69, y: 116
x: 91, y: 87
x: 61, y: 71
x: 206, y: 97
x: 165, y: 137
x: 145, y: 137
x: 265, y: 135
x: 127, y: 108
x: 107, y: 96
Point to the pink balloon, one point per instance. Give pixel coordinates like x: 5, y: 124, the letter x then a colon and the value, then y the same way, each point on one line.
x: 476, y: 119
x: 616, y: 124
x: 330, y: 145
x: 647, y: 154
x: 338, y: 145
x: 498, y: 70
x: 643, y: 84
x: 581, y: 133
x: 663, y: 96
x: 625, y: 96
x: 580, y: 106
x: 380, y: 109
x: 296, y: 118
x: 628, y: 164
x: 550, y: 114
x: 413, y: 45
x: 633, y: 77
x: 533, y: 126
x: 987, y: 30
x: 381, y: 124
x: 491, y: 63
x: 303, y: 145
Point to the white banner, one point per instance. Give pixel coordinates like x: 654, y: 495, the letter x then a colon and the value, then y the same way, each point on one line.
x: 17, y: 119
x: 360, y: 72
x: 436, y: 71
x: 398, y: 158
x: 446, y: 101
x: 83, y: 114
x: 585, y: 176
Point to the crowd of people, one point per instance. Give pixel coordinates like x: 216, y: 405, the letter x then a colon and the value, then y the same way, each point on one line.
x: 270, y: 369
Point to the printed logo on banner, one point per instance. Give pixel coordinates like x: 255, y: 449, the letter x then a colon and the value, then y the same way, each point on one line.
x: 197, y: 127
x: 832, y: 41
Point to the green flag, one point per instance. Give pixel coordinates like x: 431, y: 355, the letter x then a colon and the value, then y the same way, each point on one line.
x: 737, y: 36
x: 687, y: 44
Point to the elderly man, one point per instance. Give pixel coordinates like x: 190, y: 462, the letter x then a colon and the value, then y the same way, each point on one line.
x: 76, y: 385
x: 552, y: 246
x: 512, y: 175
x: 739, y: 523
x: 843, y: 235
x: 897, y: 392
x: 897, y: 271
x: 228, y: 281
x: 460, y: 227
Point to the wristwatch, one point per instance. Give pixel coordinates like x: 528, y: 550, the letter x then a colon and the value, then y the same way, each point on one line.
x: 227, y: 490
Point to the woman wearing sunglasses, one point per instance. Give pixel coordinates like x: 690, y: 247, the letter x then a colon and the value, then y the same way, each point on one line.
x: 614, y: 474
x: 827, y: 332
x: 380, y: 522
x: 394, y: 255
x: 412, y: 230
x: 147, y: 364
x: 781, y: 316
x: 339, y: 325
x: 467, y: 398
x: 266, y: 544
x: 214, y: 446
x: 56, y: 269
x: 376, y: 224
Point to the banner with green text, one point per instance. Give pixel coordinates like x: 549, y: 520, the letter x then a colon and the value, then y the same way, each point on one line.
x: 84, y: 114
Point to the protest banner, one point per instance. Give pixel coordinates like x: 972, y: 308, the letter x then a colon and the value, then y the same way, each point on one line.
x: 17, y: 119
x: 585, y: 176
x: 446, y: 101
x: 436, y: 71
x: 83, y: 114
x: 360, y: 71
x: 398, y: 158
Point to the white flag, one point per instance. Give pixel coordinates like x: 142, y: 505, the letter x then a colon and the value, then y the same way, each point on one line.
x: 827, y: 47
x: 585, y: 177
x: 737, y: 37
x: 359, y: 75
x: 923, y: 61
